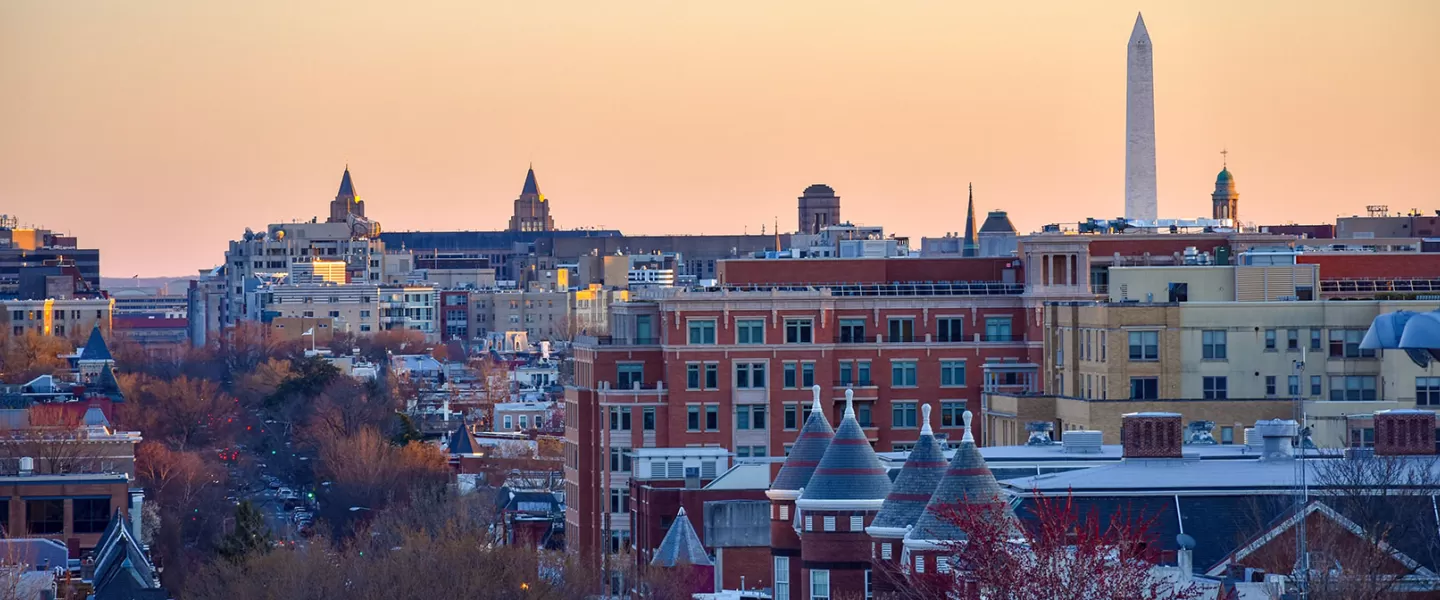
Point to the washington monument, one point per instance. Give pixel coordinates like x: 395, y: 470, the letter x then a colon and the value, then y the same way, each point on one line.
x: 1140, y: 196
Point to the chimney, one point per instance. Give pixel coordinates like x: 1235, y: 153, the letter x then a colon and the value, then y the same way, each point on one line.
x: 1404, y: 432
x: 1277, y: 438
x: 1151, y: 435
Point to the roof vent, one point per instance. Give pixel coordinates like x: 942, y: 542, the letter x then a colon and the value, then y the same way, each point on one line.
x: 1151, y: 435
x: 1278, y: 438
x: 1082, y: 442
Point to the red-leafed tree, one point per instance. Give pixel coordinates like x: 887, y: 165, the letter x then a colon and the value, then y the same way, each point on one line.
x: 1059, y: 554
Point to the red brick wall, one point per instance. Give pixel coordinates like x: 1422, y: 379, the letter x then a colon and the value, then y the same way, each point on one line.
x: 1152, y: 436
x: 753, y: 565
x: 1156, y: 246
x: 1374, y: 266
x: 862, y: 270
x: 1405, y: 433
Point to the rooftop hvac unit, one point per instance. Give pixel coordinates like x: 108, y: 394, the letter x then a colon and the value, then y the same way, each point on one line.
x: 1200, y: 433
x: 1040, y: 433
x: 1253, y: 441
x: 1082, y: 442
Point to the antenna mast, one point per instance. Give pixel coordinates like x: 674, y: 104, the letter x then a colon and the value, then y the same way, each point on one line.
x: 1302, y: 488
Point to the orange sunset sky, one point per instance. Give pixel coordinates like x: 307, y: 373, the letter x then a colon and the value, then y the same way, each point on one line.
x: 158, y: 130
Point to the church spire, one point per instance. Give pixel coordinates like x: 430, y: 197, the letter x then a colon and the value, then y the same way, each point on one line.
x: 971, y: 243
x: 347, y: 187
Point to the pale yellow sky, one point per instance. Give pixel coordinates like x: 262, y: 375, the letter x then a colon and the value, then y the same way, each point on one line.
x: 158, y: 130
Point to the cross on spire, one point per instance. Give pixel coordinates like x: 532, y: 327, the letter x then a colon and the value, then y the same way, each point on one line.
x: 1225, y: 158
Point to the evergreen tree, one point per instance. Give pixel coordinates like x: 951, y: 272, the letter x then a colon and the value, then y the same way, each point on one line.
x: 251, y: 536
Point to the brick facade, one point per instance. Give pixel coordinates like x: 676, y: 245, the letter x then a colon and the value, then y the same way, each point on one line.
x: 1404, y: 433
x: 1152, y: 435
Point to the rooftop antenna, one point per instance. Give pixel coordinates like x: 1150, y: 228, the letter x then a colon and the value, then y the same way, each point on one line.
x: 1302, y: 485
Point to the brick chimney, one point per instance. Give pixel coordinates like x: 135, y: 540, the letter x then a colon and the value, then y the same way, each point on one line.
x: 1151, y: 435
x: 1404, y: 432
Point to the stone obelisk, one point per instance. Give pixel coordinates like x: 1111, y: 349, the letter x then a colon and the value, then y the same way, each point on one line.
x: 1140, y: 196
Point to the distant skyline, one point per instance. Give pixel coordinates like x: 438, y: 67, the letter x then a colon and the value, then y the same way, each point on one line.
x: 158, y: 130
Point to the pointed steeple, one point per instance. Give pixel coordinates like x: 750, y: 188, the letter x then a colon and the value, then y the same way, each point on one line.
x: 805, y: 455
x: 106, y: 385
x: 967, y: 480
x: 95, y: 348
x: 972, y: 243
x: 531, y: 187
x: 681, y: 546
x: 347, y: 187
x: 463, y: 442
x: 914, y: 485
x: 850, y: 476
x: 1139, y: 34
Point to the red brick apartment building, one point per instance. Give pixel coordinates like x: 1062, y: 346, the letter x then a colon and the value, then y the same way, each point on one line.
x: 731, y: 366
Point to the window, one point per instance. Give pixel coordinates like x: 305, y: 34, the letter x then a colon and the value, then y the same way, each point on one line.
x: 44, y: 517
x: 1145, y: 345
x: 1292, y: 386
x: 1227, y: 435
x: 750, y: 331
x: 902, y: 414
x: 862, y: 373
x: 829, y: 523
x: 702, y: 331
x: 809, y: 522
x: 692, y: 418
x: 509, y: 423
x: 1269, y: 386
x: 869, y: 585
x: 525, y: 421
x: 799, y: 331
x: 1345, y: 343
x: 788, y: 375
x: 619, y: 418
x: 1314, y: 339
x: 1214, y: 388
x: 749, y: 376
x: 1427, y: 391
x: 1292, y: 339
x: 819, y: 583
x: 712, y: 376
x: 750, y: 416
x: 1269, y: 339
x: 620, y: 500
x: 902, y: 373
x: 886, y: 551
x: 1353, y: 388
x: 857, y: 523
x: 862, y: 414
x: 1316, y: 384
x: 91, y: 515
x: 952, y: 413
x: 1145, y: 388
x: 647, y: 418
x: 791, y: 416
x: 628, y: 376
x: 782, y: 575
x: 620, y: 460
x: 950, y: 329
x: 942, y: 564
x: 920, y: 564
x: 1212, y: 344
x: 712, y: 417
x: 807, y: 374
x: 997, y: 329
x: 852, y: 331
x: 692, y: 376
x: 952, y: 373
x: 902, y: 329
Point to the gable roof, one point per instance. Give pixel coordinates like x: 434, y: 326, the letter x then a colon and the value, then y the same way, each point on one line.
x: 806, y: 453
x: 681, y: 545
x: 95, y: 348
x: 120, y: 561
x: 914, y: 485
x: 849, y: 475
x: 967, y: 480
x: 1404, y: 535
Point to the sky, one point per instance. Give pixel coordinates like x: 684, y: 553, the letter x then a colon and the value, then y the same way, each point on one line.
x: 157, y: 130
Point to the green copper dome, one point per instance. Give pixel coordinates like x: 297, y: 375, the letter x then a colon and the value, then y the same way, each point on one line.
x: 1223, y: 177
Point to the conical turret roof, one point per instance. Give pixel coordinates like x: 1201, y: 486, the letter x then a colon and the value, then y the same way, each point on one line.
x: 915, y: 484
x: 850, y: 476
x: 968, y: 480
x: 95, y: 347
x: 105, y: 384
x: 681, y: 546
x: 347, y: 187
x: 463, y: 442
x: 809, y: 448
x: 531, y: 188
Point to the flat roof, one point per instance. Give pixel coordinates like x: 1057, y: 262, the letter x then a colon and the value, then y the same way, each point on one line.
x: 1190, y: 476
